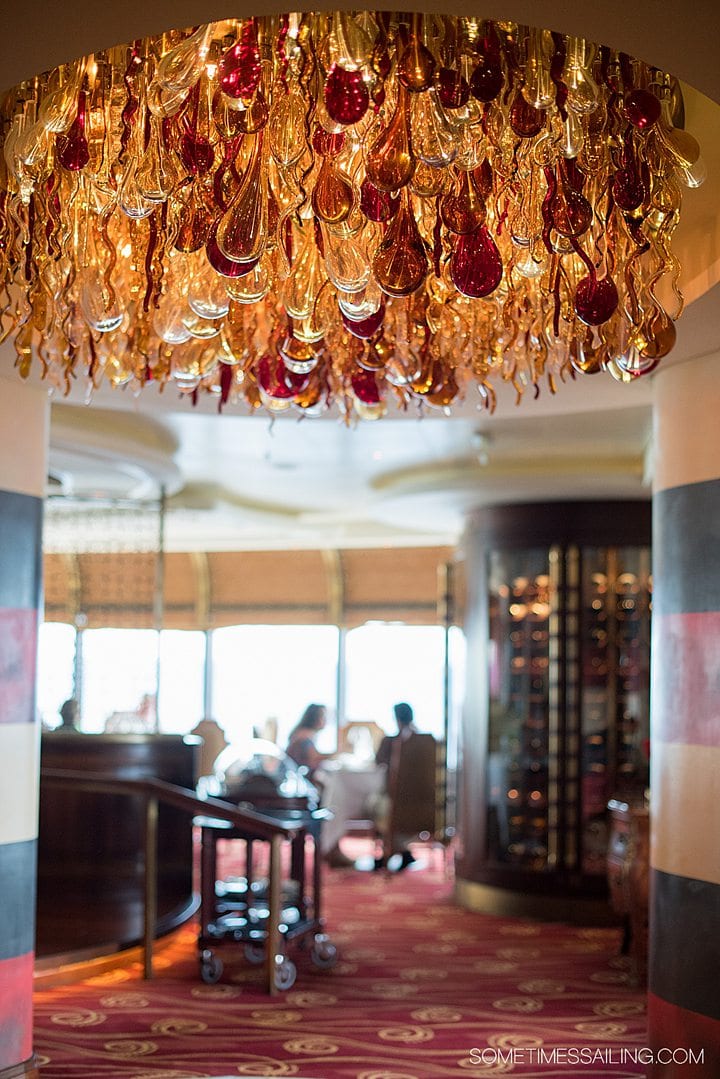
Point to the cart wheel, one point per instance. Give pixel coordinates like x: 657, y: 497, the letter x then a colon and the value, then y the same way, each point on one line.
x: 285, y: 974
x: 324, y: 954
x: 255, y: 954
x: 211, y: 968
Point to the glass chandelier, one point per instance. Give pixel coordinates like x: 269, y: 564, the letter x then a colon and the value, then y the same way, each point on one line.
x: 298, y: 211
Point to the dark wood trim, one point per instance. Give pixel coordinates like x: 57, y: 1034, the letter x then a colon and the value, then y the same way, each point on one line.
x: 586, y: 524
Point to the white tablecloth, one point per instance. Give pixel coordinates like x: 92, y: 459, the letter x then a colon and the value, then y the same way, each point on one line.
x: 346, y: 790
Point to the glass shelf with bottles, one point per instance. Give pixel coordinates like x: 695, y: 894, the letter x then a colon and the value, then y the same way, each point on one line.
x: 522, y: 597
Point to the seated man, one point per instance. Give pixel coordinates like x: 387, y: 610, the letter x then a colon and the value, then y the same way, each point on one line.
x: 387, y: 755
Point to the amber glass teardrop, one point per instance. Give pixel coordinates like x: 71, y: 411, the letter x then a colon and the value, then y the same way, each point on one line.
x: 416, y: 65
x: 286, y: 129
x: 401, y: 263
x: 659, y: 338
x: 584, y: 357
x: 195, y: 224
x: 346, y: 95
x: 256, y: 116
x: 332, y: 197
x: 299, y: 357
x: 390, y: 161
x: 227, y: 119
x: 374, y: 358
x: 475, y: 265
x: 525, y: 120
x: 570, y: 211
x: 446, y: 392
x: 462, y: 210
x: 243, y: 229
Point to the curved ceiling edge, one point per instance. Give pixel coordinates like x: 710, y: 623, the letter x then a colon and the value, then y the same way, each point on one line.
x: 45, y: 33
x: 111, y: 452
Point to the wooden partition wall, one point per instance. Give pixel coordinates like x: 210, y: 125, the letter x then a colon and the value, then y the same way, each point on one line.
x: 222, y: 588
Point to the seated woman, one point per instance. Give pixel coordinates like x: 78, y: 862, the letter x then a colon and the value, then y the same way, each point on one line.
x: 302, y: 749
x: 301, y: 743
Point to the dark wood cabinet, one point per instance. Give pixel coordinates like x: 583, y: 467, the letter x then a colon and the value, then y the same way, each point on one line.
x: 90, y: 844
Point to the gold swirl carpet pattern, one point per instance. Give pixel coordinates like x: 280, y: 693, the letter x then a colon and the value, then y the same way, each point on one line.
x: 422, y: 990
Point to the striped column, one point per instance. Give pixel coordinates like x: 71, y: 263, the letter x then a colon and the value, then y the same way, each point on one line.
x: 684, y: 973
x: 23, y: 427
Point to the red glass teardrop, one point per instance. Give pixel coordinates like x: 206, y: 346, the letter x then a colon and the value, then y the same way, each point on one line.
x: 367, y: 327
x: 240, y: 67
x: 377, y: 205
x: 295, y: 381
x: 476, y: 268
x: 271, y: 374
x: 453, y: 88
x: 380, y: 60
x: 488, y: 79
x: 642, y: 109
x: 72, y: 147
x: 365, y: 387
x: 326, y: 144
x: 525, y: 120
x: 483, y: 179
x: 595, y: 301
x: 221, y: 263
x: 196, y: 153
x: 628, y: 190
x: 347, y: 98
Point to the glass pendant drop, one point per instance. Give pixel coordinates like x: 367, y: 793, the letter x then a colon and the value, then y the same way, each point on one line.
x: 401, y: 263
x: 243, y: 229
x: 475, y: 265
x: 390, y: 161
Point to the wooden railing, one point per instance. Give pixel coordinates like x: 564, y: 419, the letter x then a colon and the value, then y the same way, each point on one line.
x: 156, y: 791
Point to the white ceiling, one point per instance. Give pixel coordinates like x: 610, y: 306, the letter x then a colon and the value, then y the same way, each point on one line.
x: 241, y: 481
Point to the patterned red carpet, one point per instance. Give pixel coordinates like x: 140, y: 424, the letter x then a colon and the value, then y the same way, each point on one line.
x: 423, y: 990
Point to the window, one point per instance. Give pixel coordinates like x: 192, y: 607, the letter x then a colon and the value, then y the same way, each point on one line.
x: 386, y: 663
x: 55, y: 670
x: 263, y: 673
x: 181, y: 701
x: 120, y: 667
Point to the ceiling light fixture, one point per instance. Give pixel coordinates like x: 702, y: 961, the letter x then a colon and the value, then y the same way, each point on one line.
x: 309, y: 209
